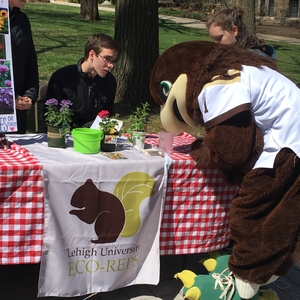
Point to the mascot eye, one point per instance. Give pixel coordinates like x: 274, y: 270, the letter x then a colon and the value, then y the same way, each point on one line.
x: 164, y: 90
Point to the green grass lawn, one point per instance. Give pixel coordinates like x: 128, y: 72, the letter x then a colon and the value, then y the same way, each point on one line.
x: 60, y: 34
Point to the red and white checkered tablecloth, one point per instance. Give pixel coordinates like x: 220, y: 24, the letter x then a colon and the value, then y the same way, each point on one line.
x: 196, y: 208
x: 21, y: 206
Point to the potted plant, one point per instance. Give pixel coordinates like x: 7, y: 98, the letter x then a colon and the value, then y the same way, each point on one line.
x: 110, y: 127
x: 138, y: 125
x: 58, y: 117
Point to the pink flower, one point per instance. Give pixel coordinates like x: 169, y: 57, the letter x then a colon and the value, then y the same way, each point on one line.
x: 103, y: 114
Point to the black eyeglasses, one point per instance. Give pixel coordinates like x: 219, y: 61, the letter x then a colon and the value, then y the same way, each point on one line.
x: 107, y: 60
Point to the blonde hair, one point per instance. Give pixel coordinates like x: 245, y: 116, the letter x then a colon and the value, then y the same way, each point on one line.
x: 227, y: 18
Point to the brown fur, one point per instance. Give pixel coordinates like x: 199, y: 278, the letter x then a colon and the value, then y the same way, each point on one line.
x: 266, y: 210
x: 243, y: 148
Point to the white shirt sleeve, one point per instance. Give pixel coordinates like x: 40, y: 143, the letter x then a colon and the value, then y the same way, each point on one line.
x: 220, y: 101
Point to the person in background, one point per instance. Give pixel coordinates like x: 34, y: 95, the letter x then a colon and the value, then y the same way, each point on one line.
x: 24, y: 59
x: 227, y: 27
x: 89, y: 85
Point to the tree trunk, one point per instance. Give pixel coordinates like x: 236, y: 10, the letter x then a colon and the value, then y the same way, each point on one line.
x: 224, y: 4
x: 249, y: 16
x: 136, y: 31
x: 89, y: 9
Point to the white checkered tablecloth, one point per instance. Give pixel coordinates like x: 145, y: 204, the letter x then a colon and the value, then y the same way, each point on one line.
x: 21, y: 206
x: 196, y: 209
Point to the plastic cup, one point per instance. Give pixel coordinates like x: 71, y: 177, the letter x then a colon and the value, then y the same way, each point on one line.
x: 166, y: 141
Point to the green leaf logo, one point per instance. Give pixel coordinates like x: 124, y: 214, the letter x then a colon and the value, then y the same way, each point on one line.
x: 132, y: 189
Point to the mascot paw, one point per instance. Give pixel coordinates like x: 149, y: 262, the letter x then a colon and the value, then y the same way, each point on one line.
x: 199, y: 153
x: 197, y: 144
x: 245, y: 288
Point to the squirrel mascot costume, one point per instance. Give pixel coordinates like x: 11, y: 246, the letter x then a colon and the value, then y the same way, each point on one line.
x: 251, y: 114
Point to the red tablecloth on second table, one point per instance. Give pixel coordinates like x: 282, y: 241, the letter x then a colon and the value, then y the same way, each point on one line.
x: 21, y: 206
x: 196, y: 209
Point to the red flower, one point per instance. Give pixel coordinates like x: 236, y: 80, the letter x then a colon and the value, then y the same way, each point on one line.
x: 103, y: 114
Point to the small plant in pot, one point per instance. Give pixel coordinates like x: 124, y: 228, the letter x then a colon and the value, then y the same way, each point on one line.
x: 58, y: 117
x: 138, y: 125
x: 109, y: 126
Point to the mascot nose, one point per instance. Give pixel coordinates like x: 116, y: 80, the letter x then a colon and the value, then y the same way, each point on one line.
x: 177, y: 112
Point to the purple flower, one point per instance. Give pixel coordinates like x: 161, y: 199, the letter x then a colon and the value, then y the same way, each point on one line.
x: 51, y: 102
x: 7, y: 83
x: 58, y: 113
x: 65, y: 103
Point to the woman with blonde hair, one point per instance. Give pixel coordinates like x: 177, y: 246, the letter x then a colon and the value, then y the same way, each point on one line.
x: 227, y: 27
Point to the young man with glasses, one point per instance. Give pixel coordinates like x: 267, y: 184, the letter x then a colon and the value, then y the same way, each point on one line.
x: 89, y: 85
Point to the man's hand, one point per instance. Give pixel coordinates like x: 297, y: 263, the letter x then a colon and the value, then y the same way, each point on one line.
x: 23, y: 103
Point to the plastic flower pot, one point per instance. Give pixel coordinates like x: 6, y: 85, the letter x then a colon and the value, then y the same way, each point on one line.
x: 108, y: 143
x: 57, y: 136
x: 138, y: 138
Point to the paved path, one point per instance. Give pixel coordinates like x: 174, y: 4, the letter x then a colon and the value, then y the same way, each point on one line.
x: 201, y: 25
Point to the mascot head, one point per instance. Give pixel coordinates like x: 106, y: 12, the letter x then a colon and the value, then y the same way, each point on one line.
x: 180, y: 73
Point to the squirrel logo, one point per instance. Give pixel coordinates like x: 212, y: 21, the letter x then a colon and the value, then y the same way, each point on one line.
x: 116, y: 214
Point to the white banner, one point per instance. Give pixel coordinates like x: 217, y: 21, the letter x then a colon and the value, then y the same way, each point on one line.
x: 8, y: 118
x: 102, y: 224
